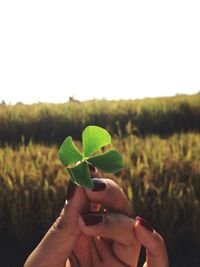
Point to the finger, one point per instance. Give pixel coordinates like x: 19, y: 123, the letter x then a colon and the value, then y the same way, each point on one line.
x: 107, y: 193
x: 94, y: 174
x: 127, y: 254
x: 53, y: 250
x: 96, y: 258
x: 153, y: 242
x: 103, y: 249
x: 117, y: 227
x: 108, y: 258
x: 95, y: 206
x: 114, y: 226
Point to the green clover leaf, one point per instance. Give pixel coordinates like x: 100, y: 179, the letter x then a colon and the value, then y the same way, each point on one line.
x: 68, y: 152
x: 109, y: 161
x: 93, y: 138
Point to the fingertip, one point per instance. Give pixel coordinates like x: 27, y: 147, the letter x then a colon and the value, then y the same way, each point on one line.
x: 94, y: 172
x: 109, y: 194
x: 99, y: 192
x: 92, y: 223
x: 144, y: 223
x: 98, y: 185
x: 145, y: 234
x: 92, y: 218
x: 152, y: 241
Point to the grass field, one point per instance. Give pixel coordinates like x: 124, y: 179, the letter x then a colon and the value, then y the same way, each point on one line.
x: 51, y: 123
x: 161, y: 177
x: 160, y: 143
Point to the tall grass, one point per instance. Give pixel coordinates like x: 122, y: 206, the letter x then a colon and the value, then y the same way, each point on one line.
x: 164, y: 178
x: 50, y: 123
x: 32, y: 191
x: 160, y: 176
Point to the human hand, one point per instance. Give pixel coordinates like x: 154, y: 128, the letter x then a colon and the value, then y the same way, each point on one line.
x: 106, y: 238
x: 125, y: 233
x: 65, y: 240
x: 110, y: 242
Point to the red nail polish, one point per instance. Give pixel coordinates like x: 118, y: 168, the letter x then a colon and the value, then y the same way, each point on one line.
x: 93, y: 171
x: 92, y: 218
x: 71, y: 188
x: 92, y: 168
x: 144, y: 223
x: 99, y: 185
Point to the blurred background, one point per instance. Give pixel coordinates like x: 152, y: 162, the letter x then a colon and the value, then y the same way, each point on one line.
x: 130, y: 67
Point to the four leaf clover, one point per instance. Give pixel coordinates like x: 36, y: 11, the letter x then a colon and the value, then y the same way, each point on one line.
x: 93, y: 139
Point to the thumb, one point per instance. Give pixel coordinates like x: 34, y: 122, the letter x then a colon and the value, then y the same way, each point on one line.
x: 156, y: 252
x: 56, y: 246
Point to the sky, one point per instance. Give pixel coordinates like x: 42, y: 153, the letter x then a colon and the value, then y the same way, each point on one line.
x: 50, y: 50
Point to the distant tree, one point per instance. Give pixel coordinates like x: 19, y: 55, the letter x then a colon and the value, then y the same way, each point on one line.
x: 3, y: 103
x: 72, y: 99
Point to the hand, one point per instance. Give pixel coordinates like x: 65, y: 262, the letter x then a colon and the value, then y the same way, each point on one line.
x: 116, y: 225
x: 116, y: 247
x: 156, y: 252
x: 72, y: 238
x: 65, y: 239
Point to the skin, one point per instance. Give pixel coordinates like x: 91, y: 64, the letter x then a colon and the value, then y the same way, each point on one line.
x: 115, y: 241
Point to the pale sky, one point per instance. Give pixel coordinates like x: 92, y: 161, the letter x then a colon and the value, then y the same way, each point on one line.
x: 50, y: 50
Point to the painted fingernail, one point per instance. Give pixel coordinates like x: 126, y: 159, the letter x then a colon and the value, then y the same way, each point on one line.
x: 99, y: 185
x: 93, y: 171
x: 144, y: 223
x: 71, y: 188
x: 92, y: 168
x: 92, y: 218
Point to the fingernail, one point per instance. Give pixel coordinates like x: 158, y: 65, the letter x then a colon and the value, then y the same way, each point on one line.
x: 93, y: 171
x: 71, y: 188
x: 144, y: 223
x: 92, y: 167
x: 93, y: 174
x: 92, y: 218
x: 99, y: 185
